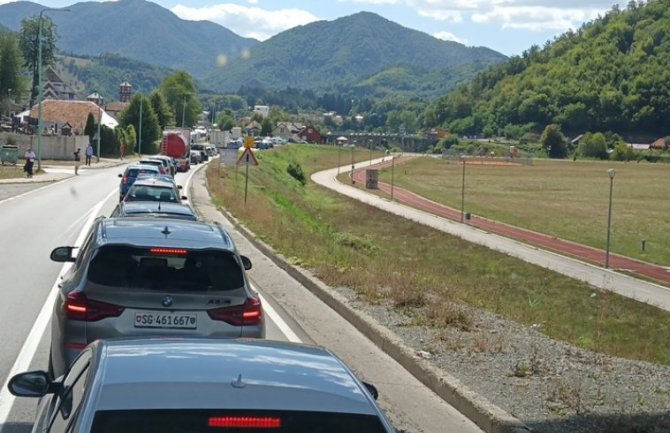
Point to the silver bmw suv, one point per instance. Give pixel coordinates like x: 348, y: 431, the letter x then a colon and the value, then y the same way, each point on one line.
x: 152, y: 277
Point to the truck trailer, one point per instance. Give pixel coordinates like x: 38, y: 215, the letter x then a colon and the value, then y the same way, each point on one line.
x: 177, y: 144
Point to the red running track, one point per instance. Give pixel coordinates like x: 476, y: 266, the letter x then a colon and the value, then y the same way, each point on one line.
x: 582, y: 252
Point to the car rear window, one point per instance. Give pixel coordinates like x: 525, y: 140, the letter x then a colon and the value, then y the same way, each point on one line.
x: 134, y: 172
x: 152, y: 193
x: 180, y: 421
x: 166, y: 269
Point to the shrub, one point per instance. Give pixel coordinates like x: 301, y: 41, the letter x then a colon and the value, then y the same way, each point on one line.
x: 593, y: 146
x: 295, y: 170
x: 623, y: 153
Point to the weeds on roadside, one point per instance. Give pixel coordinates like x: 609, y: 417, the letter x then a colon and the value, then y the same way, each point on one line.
x: 383, y: 257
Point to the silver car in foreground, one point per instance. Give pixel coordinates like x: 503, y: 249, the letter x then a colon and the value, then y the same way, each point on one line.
x: 152, y: 277
x: 203, y: 386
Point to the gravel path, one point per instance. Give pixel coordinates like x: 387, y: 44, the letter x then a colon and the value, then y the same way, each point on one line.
x: 549, y: 385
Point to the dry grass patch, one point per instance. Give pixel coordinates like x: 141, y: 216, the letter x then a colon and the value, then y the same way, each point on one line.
x: 444, y: 314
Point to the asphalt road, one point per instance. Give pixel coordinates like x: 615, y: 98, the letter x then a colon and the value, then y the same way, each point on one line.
x: 34, y: 221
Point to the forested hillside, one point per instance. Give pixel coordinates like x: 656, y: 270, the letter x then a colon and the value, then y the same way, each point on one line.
x: 105, y: 73
x: 612, y: 74
x: 137, y: 29
x: 351, y: 49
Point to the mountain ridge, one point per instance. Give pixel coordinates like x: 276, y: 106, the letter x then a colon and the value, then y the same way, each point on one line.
x: 362, y: 44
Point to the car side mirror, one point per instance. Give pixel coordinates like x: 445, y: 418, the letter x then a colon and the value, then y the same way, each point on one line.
x: 183, y: 197
x: 179, y: 187
x: 62, y: 254
x: 246, y: 262
x: 372, y: 390
x: 31, y: 384
x: 120, y: 175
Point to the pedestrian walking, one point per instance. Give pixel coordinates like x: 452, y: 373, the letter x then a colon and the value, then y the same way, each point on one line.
x: 30, y: 161
x: 77, y: 161
x: 89, y: 153
x: 122, y: 149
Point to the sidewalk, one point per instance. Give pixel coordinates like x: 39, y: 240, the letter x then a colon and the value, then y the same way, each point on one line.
x: 64, y: 170
x: 568, y: 248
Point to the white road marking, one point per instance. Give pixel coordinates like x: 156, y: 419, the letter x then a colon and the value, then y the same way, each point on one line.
x: 276, y: 318
x: 29, y: 348
x: 34, y: 190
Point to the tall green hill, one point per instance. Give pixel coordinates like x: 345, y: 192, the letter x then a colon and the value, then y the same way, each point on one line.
x: 613, y: 74
x: 136, y: 29
x: 349, y: 49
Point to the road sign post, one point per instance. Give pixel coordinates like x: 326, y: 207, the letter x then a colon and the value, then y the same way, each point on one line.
x: 247, y: 158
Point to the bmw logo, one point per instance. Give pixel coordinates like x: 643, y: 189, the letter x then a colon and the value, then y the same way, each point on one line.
x: 167, y: 301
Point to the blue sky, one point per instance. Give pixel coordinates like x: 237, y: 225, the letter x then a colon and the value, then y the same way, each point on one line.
x: 507, y: 26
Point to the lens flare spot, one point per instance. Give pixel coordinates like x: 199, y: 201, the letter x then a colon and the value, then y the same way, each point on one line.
x: 246, y: 54
x: 221, y: 60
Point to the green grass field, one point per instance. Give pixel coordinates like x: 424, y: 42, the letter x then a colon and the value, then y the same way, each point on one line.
x: 426, y: 274
x: 566, y: 199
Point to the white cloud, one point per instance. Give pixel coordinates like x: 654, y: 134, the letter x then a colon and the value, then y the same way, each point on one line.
x: 448, y: 36
x: 442, y: 15
x: 247, y: 21
x: 536, y: 18
x: 536, y: 15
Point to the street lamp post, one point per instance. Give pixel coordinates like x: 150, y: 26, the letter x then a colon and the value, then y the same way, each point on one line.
x: 39, y: 85
x: 99, y: 124
x: 611, y: 172
x: 339, y: 158
x: 353, y: 165
x: 183, y: 113
x: 463, y: 190
x: 392, y: 174
x: 139, y: 135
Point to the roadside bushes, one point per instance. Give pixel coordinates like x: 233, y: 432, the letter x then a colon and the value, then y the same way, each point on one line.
x: 294, y: 169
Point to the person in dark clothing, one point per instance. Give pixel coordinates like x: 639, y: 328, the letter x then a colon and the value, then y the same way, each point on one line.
x: 30, y: 161
x: 77, y: 161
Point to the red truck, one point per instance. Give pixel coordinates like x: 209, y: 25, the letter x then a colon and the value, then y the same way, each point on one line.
x: 177, y: 144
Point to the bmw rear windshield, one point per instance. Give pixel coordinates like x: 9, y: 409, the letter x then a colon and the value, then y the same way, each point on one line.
x: 166, y: 269
x: 236, y: 421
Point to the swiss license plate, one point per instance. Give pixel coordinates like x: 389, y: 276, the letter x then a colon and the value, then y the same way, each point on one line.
x: 150, y: 319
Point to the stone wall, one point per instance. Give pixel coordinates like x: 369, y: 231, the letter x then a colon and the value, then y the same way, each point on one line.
x: 54, y: 147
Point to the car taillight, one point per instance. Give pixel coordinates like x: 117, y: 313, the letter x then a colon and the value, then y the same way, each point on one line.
x: 248, y: 314
x: 78, y: 307
x: 124, y: 180
x: 244, y: 422
x: 168, y: 251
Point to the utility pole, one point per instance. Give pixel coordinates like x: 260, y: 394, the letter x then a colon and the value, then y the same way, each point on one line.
x: 183, y: 113
x: 99, y: 122
x: 463, y: 190
x: 139, y: 135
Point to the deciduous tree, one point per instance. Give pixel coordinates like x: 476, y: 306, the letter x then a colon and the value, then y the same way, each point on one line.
x: 553, y: 141
x: 28, y: 42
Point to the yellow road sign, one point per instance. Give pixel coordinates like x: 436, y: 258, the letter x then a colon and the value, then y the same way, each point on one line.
x: 247, y: 158
x: 249, y: 142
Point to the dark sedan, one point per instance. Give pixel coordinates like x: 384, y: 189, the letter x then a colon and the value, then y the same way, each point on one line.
x: 154, y: 209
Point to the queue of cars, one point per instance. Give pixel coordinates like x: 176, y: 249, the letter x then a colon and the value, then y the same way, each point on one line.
x: 156, y: 328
